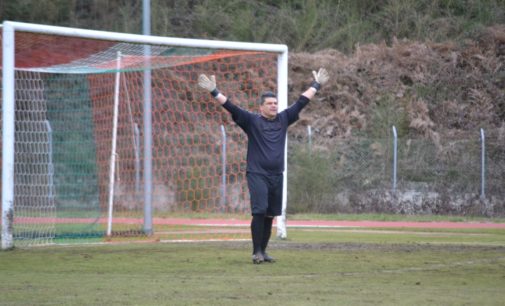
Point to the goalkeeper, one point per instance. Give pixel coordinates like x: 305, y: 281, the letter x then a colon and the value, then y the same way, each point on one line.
x: 266, y: 134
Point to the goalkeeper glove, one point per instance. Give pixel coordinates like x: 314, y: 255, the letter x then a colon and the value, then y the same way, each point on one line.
x: 209, y: 84
x: 320, y: 78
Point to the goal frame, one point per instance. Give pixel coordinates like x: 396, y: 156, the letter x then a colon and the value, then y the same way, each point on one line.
x: 9, y: 29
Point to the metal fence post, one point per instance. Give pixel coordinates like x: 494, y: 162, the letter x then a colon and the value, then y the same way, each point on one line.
x: 395, y: 156
x: 136, y: 136
x: 223, y: 161
x: 50, y: 165
x: 483, y: 164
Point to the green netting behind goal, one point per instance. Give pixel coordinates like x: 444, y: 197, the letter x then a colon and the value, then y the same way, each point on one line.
x: 70, y: 112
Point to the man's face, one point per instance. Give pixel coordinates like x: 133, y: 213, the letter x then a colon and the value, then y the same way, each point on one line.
x: 269, y: 108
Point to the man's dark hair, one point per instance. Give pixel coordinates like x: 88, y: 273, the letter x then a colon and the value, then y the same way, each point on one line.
x: 267, y: 94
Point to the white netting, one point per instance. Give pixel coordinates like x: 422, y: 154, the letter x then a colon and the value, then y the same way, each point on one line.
x: 64, y: 118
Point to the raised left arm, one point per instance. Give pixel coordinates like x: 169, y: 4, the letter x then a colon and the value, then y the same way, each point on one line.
x: 320, y: 78
x: 209, y: 83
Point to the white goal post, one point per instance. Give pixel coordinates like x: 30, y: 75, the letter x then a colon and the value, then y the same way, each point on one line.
x: 10, y: 93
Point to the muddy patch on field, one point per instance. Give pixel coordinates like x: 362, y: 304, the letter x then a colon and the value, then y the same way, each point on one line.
x: 350, y: 246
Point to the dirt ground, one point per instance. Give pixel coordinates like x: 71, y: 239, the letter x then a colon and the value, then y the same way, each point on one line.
x: 356, y: 246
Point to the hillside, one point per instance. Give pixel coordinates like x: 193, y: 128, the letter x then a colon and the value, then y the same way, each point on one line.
x: 425, y: 89
x: 437, y: 95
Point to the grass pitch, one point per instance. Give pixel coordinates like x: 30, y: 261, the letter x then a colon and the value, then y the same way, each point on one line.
x: 314, y: 267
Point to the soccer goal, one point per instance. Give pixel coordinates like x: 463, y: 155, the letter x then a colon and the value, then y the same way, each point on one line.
x: 107, y: 135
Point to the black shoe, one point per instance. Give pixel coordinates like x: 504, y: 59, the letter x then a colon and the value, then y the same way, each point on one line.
x: 268, y: 258
x: 257, y: 258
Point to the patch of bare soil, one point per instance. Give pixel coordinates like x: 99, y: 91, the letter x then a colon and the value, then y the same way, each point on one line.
x: 347, y: 246
x: 351, y: 246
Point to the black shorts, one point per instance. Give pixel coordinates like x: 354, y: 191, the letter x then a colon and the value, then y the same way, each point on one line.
x: 266, y: 193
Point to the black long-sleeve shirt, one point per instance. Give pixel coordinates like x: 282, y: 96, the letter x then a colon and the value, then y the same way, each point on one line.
x: 266, y: 138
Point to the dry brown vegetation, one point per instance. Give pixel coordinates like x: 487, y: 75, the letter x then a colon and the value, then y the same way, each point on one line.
x: 432, y: 88
x: 438, y: 95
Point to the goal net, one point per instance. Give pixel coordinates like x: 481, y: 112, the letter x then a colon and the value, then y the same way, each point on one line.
x: 89, y: 154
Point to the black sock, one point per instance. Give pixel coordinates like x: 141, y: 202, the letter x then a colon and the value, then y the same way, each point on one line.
x: 257, y: 226
x: 267, y: 231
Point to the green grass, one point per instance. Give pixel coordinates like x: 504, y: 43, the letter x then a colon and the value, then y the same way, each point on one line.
x: 315, y: 267
x: 404, y: 236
